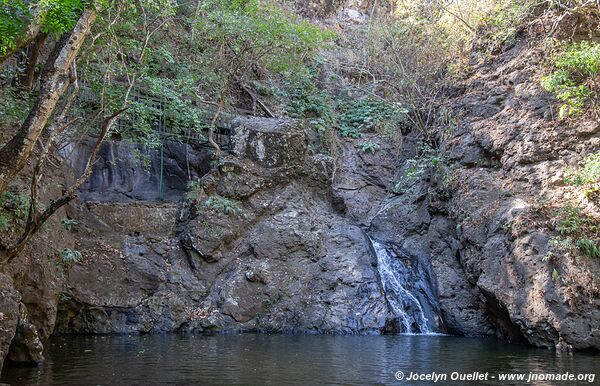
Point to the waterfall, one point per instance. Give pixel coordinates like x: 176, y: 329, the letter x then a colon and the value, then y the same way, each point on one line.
x: 402, y: 292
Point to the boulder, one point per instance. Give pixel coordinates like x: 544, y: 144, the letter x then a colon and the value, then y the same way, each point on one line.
x: 269, y: 142
x: 10, y: 312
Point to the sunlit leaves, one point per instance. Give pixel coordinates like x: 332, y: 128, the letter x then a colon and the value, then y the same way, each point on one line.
x: 58, y: 16
x: 14, y: 16
x: 257, y: 32
x: 575, y: 65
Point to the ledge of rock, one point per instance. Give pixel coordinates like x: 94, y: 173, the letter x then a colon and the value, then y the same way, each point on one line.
x: 270, y: 142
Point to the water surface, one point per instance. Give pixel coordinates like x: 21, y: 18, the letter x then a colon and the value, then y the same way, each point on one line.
x: 250, y: 359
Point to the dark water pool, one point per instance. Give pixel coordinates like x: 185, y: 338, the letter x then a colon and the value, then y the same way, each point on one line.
x: 290, y: 360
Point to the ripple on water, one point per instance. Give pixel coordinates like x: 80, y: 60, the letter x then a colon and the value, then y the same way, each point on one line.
x: 255, y: 359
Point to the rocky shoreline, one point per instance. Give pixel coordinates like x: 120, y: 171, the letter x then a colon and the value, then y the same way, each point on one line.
x: 276, y: 238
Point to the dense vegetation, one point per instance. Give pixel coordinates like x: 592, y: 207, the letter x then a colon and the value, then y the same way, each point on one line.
x: 183, y: 64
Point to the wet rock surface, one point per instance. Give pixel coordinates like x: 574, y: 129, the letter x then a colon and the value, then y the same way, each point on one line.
x: 125, y: 172
x: 26, y: 346
x: 259, y: 248
x: 410, y: 222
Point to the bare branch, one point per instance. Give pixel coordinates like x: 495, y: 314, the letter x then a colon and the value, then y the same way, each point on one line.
x: 36, y: 221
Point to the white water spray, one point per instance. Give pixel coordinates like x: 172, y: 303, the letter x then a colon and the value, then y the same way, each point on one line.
x: 403, y: 303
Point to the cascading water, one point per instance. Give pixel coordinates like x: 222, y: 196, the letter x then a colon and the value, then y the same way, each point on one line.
x: 407, y: 293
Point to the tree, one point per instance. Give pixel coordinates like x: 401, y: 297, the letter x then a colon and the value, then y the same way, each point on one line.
x: 131, y: 56
x: 59, y: 75
x: 54, y: 82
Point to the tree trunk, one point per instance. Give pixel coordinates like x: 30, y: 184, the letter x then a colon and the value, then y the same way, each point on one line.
x: 213, y: 126
x: 35, y: 220
x: 27, y: 80
x: 54, y: 82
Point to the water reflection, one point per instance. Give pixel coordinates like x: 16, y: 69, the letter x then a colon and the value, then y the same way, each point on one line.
x: 283, y: 360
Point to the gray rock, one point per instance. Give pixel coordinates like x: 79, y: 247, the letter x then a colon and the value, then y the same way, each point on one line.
x: 269, y: 142
x: 510, y: 152
x: 10, y: 312
x: 26, y: 346
x: 287, y: 262
x: 120, y: 175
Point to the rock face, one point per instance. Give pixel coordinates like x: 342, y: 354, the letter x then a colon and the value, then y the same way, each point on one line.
x: 260, y: 247
x: 275, y: 238
x: 478, y: 221
x: 510, y: 154
x: 403, y: 216
x: 127, y: 173
x: 19, y: 338
x: 31, y: 284
x: 10, y: 311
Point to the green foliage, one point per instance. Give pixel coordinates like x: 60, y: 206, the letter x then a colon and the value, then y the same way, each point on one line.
x: 192, y: 64
x: 223, y: 205
x: 566, y: 90
x: 68, y: 223
x: 177, y: 108
x: 571, y: 220
x: 578, y: 232
x: 14, y: 105
x: 575, y: 65
x: 14, y: 17
x: 428, y: 159
x: 555, y: 274
x: 361, y: 115
x: 70, y: 256
x: 588, y: 247
x: 17, y: 204
x: 124, y: 66
x: 306, y: 101
x: 55, y: 17
x: 369, y: 147
x: 4, y: 223
x: 589, y: 173
x: 581, y: 59
x: 403, y: 57
x: 257, y: 32
x: 58, y: 16
x: 194, y: 190
x: 502, y: 24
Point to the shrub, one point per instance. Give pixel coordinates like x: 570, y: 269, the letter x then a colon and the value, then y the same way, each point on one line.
x: 581, y: 59
x: 573, y: 95
x: 369, y: 147
x: 571, y: 221
x: 589, y: 172
x: 194, y: 190
x: 368, y: 114
x: 575, y: 65
x: 17, y: 203
x: 68, y: 223
x: 578, y: 231
x: 427, y: 159
x: 502, y: 25
x: 14, y: 105
x: 70, y: 257
x: 397, y: 57
x: 4, y: 222
x: 307, y: 101
x: 588, y: 247
x: 223, y: 205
